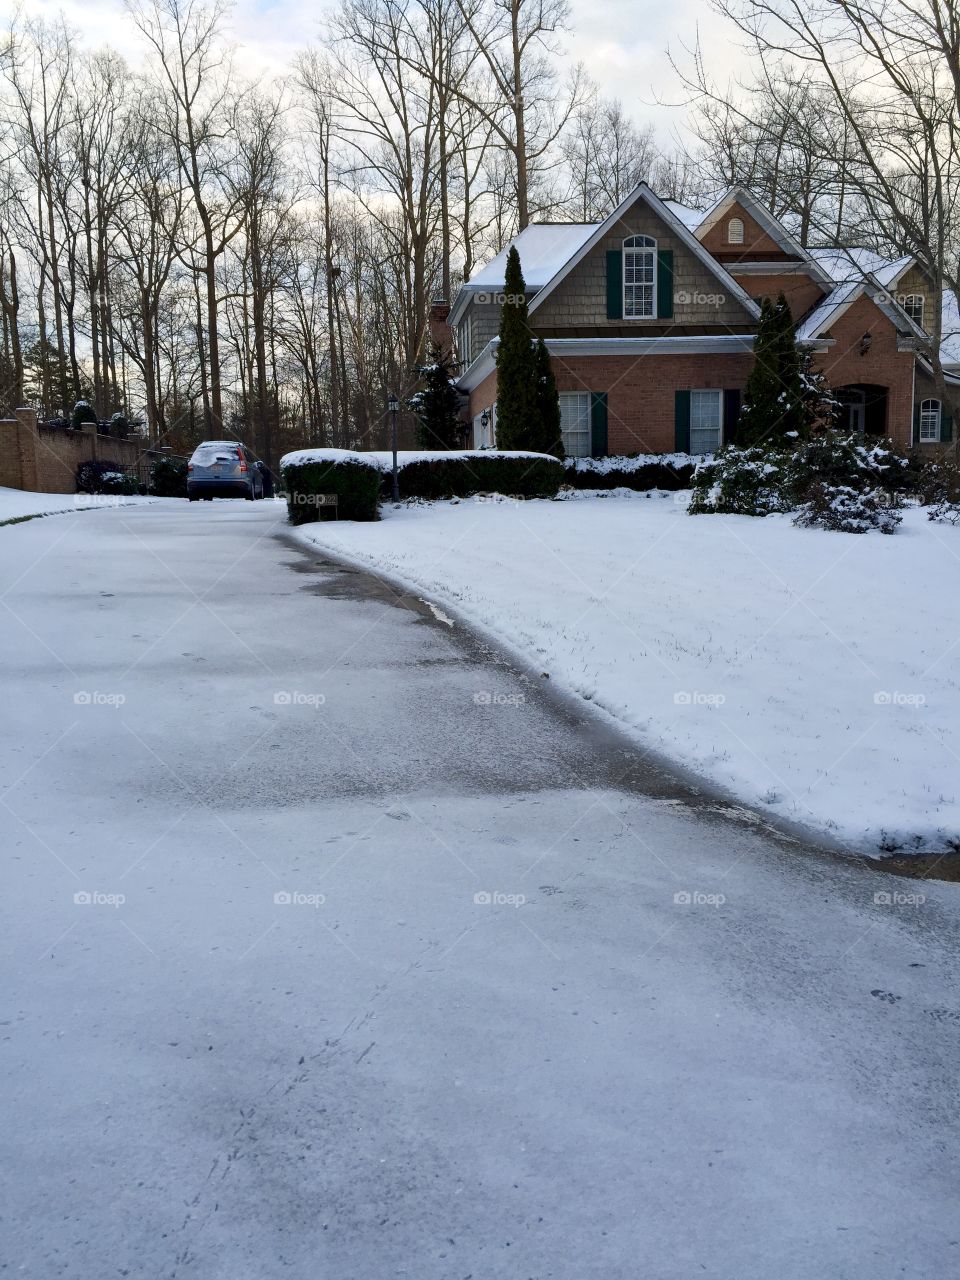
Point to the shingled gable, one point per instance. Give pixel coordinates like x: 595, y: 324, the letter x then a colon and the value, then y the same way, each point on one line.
x: 682, y: 234
x: 740, y: 201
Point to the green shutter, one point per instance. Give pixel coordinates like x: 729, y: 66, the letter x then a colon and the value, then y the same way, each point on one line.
x: 946, y: 425
x: 731, y: 412
x: 598, y: 424
x: 916, y: 424
x: 614, y: 284
x: 665, y: 284
x: 681, y: 421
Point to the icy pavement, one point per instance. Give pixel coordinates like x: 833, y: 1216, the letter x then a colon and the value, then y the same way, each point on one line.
x: 340, y: 947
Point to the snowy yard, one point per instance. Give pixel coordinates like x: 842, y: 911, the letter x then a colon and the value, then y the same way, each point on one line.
x: 15, y: 504
x: 812, y: 673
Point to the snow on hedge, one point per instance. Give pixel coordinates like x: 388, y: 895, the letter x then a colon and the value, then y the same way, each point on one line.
x: 383, y: 460
x: 812, y: 673
x: 603, y: 466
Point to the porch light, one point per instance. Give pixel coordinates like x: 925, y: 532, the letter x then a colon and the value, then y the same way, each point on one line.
x: 866, y: 342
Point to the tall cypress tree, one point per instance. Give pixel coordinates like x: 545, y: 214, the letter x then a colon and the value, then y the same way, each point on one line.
x: 772, y: 398
x: 437, y: 403
x: 516, y: 363
x: 549, y: 436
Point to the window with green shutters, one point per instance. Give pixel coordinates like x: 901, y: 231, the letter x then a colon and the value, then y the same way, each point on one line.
x: 640, y: 282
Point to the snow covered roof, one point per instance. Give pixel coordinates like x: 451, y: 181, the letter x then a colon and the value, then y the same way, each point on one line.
x: 691, y: 218
x: 543, y: 247
x: 853, y: 264
x: 825, y: 311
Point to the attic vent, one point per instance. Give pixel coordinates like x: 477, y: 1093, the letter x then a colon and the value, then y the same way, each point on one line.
x: 735, y: 231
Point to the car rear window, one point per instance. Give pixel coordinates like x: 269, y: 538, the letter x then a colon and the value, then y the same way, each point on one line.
x: 209, y: 453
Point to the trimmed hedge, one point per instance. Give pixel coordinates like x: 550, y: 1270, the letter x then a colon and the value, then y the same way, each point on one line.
x: 461, y: 477
x: 168, y: 478
x: 356, y: 485
x: 628, y: 475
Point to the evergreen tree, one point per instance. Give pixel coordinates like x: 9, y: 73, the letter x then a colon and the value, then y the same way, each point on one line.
x: 772, y: 398
x: 516, y: 364
x: 437, y: 403
x: 819, y: 405
x: 550, y: 438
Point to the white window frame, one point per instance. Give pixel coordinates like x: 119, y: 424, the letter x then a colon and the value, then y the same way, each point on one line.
x: 584, y: 415
x: 735, y: 231
x: 931, y: 418
x: 707, y: 391
x: 639, y: 247
x: 910, y: 300
x: 463, y: 342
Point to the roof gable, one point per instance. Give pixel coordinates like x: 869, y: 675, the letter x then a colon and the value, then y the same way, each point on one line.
x: 682, y: 233
x: 739, y: 202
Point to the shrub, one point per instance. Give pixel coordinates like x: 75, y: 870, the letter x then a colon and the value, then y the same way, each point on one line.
x: 844, y: 462
x: 945, y: 512
x: 354, y: 480
x: 667, y: 472
x: 845, y: 509
x: 168, y: 478
x: 483, y: 471
x: 105, y: 477
x: 744, y: 482
x: 83, y: 415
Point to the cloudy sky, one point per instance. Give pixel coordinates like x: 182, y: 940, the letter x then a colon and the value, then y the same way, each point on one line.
x: 622, y: 43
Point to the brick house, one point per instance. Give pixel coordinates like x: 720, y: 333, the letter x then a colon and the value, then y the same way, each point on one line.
x: 650, y: 319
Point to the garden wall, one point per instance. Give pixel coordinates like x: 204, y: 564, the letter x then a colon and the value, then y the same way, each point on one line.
x: 45, y: 459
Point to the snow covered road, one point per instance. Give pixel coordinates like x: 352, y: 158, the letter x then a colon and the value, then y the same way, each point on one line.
x: 337, y: 946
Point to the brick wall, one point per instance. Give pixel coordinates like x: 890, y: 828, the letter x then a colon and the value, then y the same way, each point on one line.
x: 800, y: 291
x: 883, y: 365
x: 45, y: 459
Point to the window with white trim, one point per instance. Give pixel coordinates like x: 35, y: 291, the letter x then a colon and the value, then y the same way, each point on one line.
x: 913, y: 306
x: 575, y: 423
x: 735, y: 231
x: 463, y: 343
x: 706, y: 421
x: 930, y: 420
x: 639, y: 277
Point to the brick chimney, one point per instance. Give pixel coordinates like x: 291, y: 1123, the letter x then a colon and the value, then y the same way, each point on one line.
x: 440, y: 331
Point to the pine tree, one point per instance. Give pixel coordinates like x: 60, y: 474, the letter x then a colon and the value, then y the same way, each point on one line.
x: 820, y: 406
x: 549, y: 436
x: 437, y: 403
x: 516, y: 364
x: 772, y: 398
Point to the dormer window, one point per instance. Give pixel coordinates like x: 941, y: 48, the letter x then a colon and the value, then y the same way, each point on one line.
x: 913, y: 306
x: 735, y: 231
x: 639, y: 277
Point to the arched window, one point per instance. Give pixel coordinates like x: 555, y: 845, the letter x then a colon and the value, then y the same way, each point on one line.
x: 735, y: 231
x: 639, y: 277
x: 913, y: 306
x: 930, y: 420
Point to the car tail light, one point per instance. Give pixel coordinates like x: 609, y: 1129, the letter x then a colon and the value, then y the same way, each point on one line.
x: 243, y: 465
x: 189, y: 466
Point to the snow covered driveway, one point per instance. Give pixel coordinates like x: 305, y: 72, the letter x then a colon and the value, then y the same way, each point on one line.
x: 336, y: 947
x: 812, y: 673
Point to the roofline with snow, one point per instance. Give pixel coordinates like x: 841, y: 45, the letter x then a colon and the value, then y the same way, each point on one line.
x: 761, y: 215
x: 642, y: 191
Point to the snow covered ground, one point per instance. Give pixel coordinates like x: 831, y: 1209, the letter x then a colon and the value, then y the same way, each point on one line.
x: 17, y: 503
x: 815, y: 674
x: 334, y: 946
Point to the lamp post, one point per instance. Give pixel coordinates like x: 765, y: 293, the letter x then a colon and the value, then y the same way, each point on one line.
x: 393, y: 404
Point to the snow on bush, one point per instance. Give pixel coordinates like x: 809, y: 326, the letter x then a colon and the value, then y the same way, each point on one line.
x: 643, y: 472
x: 845, y: 510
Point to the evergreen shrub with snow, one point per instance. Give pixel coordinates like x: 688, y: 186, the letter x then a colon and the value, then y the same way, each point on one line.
x: 669, y: 471
x: 437, y: 403
x: 844, y: 509
x: 831, y: 481
x: 741, y: 482
x: 463, y: 475
x: 105, y: 477
x: 354, y: 482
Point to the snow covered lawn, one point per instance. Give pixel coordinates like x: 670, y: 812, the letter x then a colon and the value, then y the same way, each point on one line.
x: 17, y: 503
x: 815, y: 674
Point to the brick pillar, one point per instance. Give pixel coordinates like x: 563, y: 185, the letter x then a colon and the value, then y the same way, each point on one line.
x: 28, y: 444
